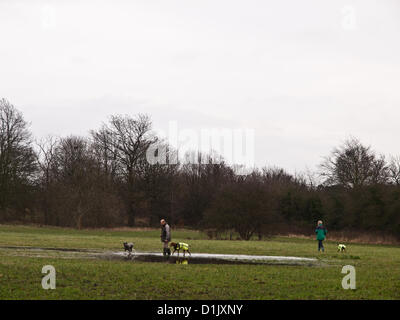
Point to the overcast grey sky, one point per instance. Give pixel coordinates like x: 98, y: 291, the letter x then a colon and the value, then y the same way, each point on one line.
x: 303, y: 74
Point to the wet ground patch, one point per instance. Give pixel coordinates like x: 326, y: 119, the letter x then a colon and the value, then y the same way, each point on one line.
x: 204, y: 258
x: 155, y: 257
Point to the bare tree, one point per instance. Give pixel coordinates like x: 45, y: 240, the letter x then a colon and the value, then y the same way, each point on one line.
x: 17, y: 158
x: 79, y: 194
x: 353, y: 165
x: 46, y: 160
x: 46, y: 157
x: 73, y: 169
x: 124, y: 142
x: 394, y: 170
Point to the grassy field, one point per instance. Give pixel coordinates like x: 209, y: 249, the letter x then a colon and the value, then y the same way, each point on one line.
x: 84, y: 277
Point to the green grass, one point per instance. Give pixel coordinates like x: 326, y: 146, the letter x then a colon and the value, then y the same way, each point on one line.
x: 82, y: 277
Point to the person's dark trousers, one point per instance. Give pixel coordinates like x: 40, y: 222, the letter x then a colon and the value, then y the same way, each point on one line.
x: 166, y: 252
x: 321, y: 246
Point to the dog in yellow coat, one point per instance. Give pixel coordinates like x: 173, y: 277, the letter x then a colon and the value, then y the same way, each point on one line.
x: 180, y: 246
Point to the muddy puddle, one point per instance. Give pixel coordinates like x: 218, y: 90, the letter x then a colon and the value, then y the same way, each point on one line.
x: 195, y: 258
x: 205, y: 258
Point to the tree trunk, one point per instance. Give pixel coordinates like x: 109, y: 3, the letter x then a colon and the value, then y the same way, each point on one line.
x: 131, y: 214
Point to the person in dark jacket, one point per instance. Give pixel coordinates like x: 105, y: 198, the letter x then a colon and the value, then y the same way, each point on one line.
x: 165, y: 237
x: 321, y: 235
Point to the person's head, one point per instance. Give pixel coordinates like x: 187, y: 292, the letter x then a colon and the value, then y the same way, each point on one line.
x: 163, y: 222
x: 320, y: 222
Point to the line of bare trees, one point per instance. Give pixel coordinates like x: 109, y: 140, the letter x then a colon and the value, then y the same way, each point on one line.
x: 104, y: 180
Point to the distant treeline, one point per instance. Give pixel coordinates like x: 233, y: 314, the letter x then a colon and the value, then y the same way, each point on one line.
x: 104, y: 180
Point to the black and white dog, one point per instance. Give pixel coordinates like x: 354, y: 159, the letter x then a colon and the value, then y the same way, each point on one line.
x: 128, y: 246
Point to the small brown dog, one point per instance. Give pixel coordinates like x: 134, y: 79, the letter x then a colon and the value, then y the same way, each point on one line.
x: 180, y: 246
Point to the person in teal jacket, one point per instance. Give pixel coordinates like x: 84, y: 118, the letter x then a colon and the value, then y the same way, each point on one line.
x: 321, y: 235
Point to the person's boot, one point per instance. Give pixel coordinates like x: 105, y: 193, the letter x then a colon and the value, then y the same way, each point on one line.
x: 165, y: 252
x: 168, y: 252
